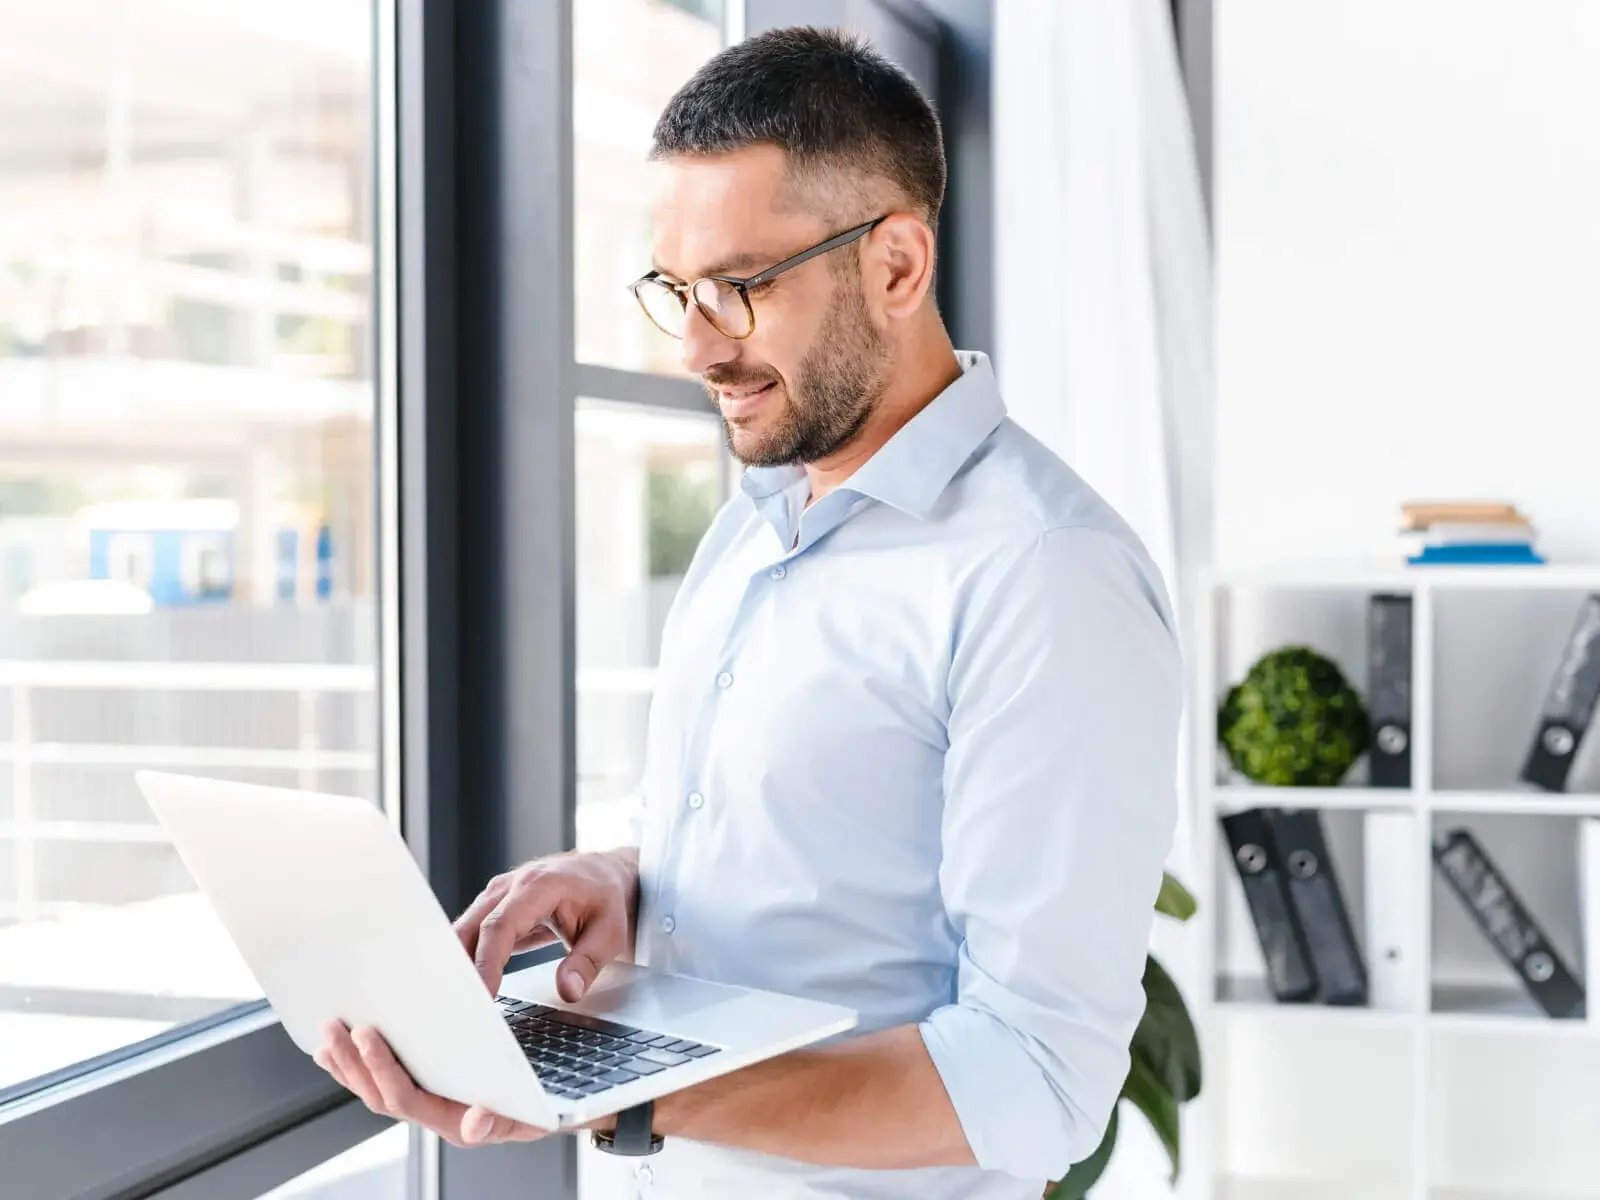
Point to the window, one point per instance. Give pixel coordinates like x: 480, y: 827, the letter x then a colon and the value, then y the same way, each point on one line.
x: 187, y: 490
x: 629, y: 57
x: 651, y: 470
x: 648, y: 483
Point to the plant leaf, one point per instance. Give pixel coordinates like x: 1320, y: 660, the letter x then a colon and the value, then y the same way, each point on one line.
x: 1151, y: 1097
x: 1075, y: 1184
x: 1166, y: 1037
x: 1174, y: 899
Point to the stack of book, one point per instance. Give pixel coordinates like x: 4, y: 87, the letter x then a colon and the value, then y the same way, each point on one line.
x: 1466, y: 532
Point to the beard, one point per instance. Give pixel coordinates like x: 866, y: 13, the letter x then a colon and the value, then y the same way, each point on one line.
x: 839, y: 383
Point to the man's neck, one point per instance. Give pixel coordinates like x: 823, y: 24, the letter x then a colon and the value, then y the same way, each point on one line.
x: 914, y: 381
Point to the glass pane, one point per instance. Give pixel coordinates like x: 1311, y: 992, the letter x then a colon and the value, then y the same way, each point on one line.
x: 186, y: 482
x: 375, y: 1169
x: 648, y: 484
x: 629, y: 57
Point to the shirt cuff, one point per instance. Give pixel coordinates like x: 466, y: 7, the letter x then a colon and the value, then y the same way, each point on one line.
x: 1014, y: 1117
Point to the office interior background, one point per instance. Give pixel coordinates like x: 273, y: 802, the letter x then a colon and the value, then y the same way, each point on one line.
x: 333, y: 454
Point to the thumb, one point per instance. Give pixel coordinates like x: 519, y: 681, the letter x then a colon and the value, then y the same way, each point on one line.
x: 591, y: 950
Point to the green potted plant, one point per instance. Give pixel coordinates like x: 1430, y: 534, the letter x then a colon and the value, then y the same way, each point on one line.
x: 1164, y: 1071
x: 1293, y: 721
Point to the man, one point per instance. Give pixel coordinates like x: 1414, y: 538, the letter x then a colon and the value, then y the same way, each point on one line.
x: 913, y: 745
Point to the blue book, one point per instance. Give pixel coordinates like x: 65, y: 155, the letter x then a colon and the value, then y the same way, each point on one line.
x: 1478, y: 554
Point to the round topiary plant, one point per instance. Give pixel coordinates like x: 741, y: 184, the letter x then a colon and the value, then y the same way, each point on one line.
x: 1294, y: 721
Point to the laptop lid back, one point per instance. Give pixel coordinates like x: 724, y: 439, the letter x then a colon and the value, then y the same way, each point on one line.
x: 334, y: 918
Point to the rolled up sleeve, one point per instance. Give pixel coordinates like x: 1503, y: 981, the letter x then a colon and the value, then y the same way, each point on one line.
x: 1060, y: 805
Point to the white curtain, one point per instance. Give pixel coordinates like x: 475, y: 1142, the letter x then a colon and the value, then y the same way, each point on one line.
x: 1103, y: 319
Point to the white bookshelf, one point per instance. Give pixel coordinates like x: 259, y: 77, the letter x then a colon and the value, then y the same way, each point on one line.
x: 1452, y: 1085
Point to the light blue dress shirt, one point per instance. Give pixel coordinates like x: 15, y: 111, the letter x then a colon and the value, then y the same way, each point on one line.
x: 913, y: 750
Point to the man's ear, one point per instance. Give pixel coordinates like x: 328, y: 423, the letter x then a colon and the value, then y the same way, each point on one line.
x: 900, y: 253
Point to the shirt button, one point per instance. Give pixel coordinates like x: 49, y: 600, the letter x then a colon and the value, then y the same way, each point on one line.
x: 779, y: 571
x: 668, y: 924
x: 696, y: 800
x: 724, y: 680
x: 643, y: 1173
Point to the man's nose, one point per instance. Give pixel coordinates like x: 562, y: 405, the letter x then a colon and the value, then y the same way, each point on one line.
x: 704, y: 345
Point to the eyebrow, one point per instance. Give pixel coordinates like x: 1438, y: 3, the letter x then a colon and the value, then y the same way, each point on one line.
x: 735, y: 262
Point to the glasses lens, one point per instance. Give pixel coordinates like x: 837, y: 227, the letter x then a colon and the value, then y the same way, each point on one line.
x: 723, y: 306
x: 662, y: 305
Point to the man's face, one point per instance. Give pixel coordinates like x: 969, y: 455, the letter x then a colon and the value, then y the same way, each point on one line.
x: 804, y: 382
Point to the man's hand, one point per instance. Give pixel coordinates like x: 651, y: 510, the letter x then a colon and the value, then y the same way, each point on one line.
x: 588, y: 901
x: 362, y: 1062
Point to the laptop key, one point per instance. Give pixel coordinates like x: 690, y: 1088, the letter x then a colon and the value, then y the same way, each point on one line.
x: 661, y: 1040
x: 580, y: 1020
x: 643, y: 1036
x: 664, y: 1058
x: 642, y: 1066
x: 680, y: 1047
x: 618, y: 1075
x: 701, y: 1051
x: 596, y: 1024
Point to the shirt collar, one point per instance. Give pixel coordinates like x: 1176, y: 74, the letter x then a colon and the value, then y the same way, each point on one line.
x: 912, y: 469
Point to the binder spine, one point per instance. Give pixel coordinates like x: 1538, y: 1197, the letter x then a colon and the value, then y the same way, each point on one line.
x: 1318, y: 907
x: 1569, y: 705
x: 1391, y: 916
x: 1510, y: 928
x: 1389, y: 622
x: 1589, y: 886
x: 1266, y: 895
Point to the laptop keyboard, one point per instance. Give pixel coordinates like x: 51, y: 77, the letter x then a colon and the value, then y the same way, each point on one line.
x: 576, y: 1055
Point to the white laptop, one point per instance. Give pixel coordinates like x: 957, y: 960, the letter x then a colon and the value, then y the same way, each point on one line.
x: 332, y: 914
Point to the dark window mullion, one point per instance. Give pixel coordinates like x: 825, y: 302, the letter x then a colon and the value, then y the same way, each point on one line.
x: 487, y: 397
x: 252, y: 1172
x: 162, y: 1116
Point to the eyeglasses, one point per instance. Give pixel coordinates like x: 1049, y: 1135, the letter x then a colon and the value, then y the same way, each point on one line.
x: 724, y: 300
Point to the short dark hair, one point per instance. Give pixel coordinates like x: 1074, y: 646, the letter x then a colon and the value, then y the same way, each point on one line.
x: 828, y: 99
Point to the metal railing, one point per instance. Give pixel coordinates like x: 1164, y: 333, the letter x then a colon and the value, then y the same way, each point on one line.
x: 23, y: 753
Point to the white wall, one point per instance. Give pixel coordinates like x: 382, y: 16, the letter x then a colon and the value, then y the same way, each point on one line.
x: 1408, y: 261
x: 1407, y: 236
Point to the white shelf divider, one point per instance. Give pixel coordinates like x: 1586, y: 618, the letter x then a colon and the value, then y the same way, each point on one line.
x: 1393, y: 576
x: 1531, y: 803
x: 1422, y: 777
x: 1234, y: 797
